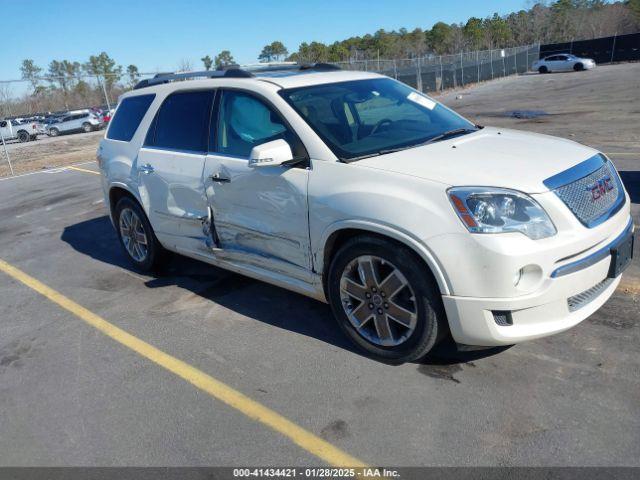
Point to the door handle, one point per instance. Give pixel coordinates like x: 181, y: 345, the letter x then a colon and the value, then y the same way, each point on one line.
x: 146, y: 169
x: 217, y: 178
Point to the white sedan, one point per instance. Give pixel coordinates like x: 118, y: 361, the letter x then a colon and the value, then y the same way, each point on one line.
x: 563, y: 63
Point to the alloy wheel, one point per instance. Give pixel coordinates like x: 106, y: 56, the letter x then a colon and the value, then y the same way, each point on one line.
x: 133, y: 236
x: 378, y: 301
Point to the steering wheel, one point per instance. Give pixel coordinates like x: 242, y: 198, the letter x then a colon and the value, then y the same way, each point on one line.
x: 377, y: 126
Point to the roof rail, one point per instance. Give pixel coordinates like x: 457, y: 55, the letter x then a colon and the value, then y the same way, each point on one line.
x: 235, y: 71
x: 320, y: 66
x: 258, y: 68
x: 169, y: 77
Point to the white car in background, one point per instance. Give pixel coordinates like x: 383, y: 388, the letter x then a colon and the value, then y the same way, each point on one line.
x: 75, y: 122
x: 352, y: 188
x: 563, y: 63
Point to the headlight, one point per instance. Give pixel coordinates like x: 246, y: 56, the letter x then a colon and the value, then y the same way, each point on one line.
x: 498, y: 210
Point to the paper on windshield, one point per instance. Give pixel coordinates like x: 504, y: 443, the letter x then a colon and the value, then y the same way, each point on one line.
x: 421, y: 100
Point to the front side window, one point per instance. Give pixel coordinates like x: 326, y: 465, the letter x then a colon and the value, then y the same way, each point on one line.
x: 128, y: 117
x: 182, y: 123
x: 245, y: 121
x: 372, y: 117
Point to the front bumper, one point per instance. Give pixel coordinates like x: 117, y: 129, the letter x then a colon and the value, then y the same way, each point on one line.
x: 563, y: 302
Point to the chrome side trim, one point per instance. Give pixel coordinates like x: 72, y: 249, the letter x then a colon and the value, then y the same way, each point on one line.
x: 594, y: 258
x: 576, y: 172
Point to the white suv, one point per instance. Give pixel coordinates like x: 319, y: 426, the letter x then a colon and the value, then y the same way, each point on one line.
x: 74, y: 122
x: 352, y: 188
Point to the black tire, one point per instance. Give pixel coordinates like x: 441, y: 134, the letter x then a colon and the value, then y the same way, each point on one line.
x: 578, y: 67
x: 23, y: 136
x: 54, y: 132
x: 87, y: 127
x: 34, y: 137
x: 431, y: 326
x: 155, y: 252
x: 543, y: 69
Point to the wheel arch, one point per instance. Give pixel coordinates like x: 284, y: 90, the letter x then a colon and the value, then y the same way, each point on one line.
x: 118, y: 191
x: 335, y: 236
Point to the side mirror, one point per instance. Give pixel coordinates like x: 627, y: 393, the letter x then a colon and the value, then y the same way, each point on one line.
x: 270, y: 154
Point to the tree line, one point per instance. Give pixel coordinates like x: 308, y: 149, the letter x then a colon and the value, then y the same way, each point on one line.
x: 544, y: 22
x: 65, y: 84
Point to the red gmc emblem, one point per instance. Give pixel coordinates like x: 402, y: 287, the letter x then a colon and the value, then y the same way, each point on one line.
x: 600, y: 188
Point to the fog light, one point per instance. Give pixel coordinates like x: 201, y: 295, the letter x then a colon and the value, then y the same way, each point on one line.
x: 528, y: 278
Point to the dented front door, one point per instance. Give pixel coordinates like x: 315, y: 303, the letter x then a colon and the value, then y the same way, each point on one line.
x: 259, y: 214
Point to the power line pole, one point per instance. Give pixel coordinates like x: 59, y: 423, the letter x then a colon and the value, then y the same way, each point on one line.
x: 104, y: 89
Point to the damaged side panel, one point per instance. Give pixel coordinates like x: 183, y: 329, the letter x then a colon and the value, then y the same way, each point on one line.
x: 259, y: 215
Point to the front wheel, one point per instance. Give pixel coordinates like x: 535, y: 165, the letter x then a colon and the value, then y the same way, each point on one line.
x: 23, y: 136
x: 385, y: 299
x: 86, y: 127
x: 578, y: 67
x: 543, y: 69
x: 136, y: 235
x: 54, y: 132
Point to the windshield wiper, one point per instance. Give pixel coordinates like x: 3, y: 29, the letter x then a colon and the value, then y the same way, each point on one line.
x: 449, y: 134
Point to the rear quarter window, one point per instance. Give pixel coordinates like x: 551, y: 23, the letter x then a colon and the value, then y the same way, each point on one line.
x: 128, y: 117
x: 182, y: 122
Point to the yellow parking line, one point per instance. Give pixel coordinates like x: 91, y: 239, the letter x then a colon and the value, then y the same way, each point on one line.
x: 235, y: 399
x: 83, y: 170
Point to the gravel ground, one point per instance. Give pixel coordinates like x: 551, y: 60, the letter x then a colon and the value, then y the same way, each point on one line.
x: 50, y: 152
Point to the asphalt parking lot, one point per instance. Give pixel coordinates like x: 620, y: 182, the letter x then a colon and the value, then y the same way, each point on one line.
x: 73, y: 392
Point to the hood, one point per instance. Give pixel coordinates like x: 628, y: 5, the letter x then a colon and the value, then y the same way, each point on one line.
x: 491, y: 157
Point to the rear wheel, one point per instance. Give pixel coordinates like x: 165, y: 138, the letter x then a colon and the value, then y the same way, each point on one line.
x: 578, y: 67
x: 23, y: 136
x: 136, y: 235
x: 543, y: 69
x: 384, y: 300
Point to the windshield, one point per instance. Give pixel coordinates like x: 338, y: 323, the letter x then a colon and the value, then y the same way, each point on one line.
x: 371, y: 117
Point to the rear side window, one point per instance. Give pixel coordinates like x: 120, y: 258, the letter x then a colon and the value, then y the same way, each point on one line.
x: 128, y: 117
x: 182, y: 123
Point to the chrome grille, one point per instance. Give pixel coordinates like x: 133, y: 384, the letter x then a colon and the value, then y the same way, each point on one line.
x: 579, y: 196
x: 582, y: 299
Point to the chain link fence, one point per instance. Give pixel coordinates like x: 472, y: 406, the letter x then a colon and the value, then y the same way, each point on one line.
x: 434, y: 73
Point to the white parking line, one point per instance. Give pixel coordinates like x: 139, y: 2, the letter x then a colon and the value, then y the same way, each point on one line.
x: 49, y: 170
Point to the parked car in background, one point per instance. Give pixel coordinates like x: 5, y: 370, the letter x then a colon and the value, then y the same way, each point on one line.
x: 36, y: 120
x: 13, y: 129
x: 74, y: 122
x: 106, y: 117
x: 563, y: 63
x: 412, y: 222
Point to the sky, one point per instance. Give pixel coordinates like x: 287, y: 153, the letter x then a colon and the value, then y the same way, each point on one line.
x: 157, y: 35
